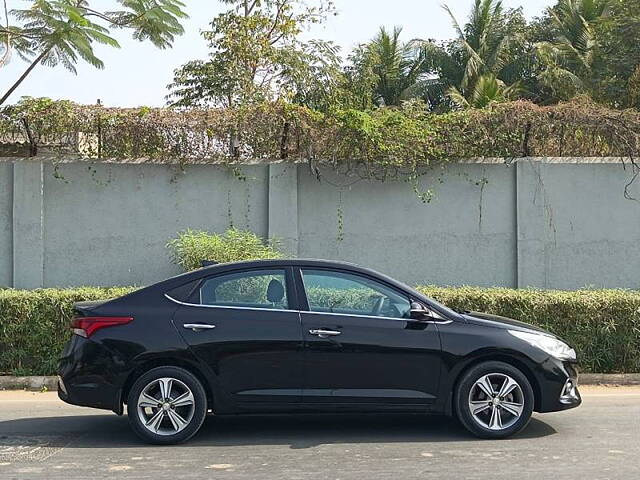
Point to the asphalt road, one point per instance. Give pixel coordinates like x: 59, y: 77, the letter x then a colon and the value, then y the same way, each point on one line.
x: 42, y: 438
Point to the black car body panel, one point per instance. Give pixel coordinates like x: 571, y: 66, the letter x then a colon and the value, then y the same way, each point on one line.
x: 375, y: 361
x: 266, y: 360
x: 500, y: 322
x: 268, y: 368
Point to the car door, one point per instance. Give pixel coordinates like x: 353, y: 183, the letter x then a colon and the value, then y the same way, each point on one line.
x: 360, y: 346
x: 246, y: 327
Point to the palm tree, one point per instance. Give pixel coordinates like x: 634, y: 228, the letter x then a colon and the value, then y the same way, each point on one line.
x: 58, y: 39
x: 61, y: 32
x: 487, y: 90
x: 468, y: 69
x: 574, y: 20
x: 483, y: 47
x: 6, y: 40
x: 396, y: 66
x: 567, y: 60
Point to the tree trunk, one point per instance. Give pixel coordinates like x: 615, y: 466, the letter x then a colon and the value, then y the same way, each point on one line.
x: 24, y: 75
x: 33, y: 146
x: 284, y: 141
x: 7, y: 54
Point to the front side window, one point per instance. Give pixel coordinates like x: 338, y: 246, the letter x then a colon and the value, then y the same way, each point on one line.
x: 346, y: 293
x: 251, y: 289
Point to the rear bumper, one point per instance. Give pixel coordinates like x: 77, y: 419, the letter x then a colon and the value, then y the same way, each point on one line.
x: 88, y: 394
x: 559, y: 386
x: 84, y: 378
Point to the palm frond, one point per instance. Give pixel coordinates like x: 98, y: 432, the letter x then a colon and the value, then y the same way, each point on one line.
x: 455, y: 23
x: 458, y: 98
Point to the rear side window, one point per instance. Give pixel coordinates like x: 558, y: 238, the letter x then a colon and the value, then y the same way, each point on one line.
x: 251, y: 289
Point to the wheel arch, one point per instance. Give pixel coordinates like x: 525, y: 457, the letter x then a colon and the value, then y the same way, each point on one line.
x: 150, y: 364
x: 507, y: 358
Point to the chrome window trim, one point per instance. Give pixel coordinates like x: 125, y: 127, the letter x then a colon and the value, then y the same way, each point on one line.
x: 229, y: 306
x: 444, y: 322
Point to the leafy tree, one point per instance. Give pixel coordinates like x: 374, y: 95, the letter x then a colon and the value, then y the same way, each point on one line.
x: 616, y: 63
x: 314, y: 75
x: 360, y: 79
x: 526, y: 68
x: 63, y: 32
x: 256, y: 54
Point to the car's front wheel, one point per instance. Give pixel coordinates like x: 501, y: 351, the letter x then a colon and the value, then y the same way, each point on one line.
x: 166, y: 405
x: 494, y: 400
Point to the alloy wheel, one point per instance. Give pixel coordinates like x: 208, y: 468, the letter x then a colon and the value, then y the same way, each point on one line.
x: 166, y: 406
x: 496, y: 401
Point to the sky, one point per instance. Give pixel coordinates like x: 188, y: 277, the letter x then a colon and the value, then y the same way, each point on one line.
x: 138, y: 73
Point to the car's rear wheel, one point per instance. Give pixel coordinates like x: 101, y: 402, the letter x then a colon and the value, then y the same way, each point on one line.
x: 166, y: 405
x: 494, y: 400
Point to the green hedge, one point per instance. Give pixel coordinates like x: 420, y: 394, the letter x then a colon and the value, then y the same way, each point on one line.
x: 34, y: 326
x: 603, y: 325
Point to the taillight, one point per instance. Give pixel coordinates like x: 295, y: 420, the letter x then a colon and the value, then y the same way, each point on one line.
x: 87, y: 326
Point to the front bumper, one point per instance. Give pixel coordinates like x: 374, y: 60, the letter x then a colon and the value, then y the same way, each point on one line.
x: 558, y: 386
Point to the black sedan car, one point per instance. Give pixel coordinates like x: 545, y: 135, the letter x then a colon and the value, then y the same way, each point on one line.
x: 306, y: 336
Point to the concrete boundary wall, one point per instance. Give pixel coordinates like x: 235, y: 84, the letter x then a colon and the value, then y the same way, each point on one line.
x: 530, y: 222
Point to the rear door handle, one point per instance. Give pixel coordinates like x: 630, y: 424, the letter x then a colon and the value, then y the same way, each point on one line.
x: 196, y: 327
x: 324, y: 333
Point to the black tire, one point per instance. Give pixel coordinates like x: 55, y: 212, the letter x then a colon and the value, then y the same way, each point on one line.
x: 193, y: 421
x: 512, y: 423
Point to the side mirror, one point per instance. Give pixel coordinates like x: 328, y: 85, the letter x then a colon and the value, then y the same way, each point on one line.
x: 419, y: 312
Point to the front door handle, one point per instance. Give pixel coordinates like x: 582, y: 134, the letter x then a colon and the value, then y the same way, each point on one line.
x: 196, y: 327
x: 324, y: 333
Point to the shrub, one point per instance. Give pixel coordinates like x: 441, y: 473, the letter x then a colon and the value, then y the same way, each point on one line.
x: 603, y: 325
x: 34, y: 326
x: 193, y: 246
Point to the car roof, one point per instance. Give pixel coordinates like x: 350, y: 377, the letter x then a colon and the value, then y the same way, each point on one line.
x: 272, y: 263
x: 250, y: 264
x: 285, y: 262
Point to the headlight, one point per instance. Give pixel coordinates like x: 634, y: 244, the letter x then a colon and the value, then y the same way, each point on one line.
x: 554, y: 347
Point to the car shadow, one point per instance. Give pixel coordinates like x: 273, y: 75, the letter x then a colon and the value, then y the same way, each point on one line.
x: 297, y: 431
